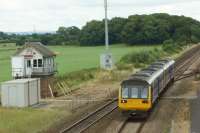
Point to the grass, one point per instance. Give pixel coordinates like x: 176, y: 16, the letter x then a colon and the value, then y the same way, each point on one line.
x: 27, y: 120
x: 71, y: 59
x: 5, y: 62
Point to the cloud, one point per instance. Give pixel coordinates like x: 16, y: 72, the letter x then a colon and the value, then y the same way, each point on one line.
x: 48, y: 15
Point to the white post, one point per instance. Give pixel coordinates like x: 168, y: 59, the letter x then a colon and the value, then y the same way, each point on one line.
x: 106, y: 25
x: 106, y: 61
x: 172, y: 127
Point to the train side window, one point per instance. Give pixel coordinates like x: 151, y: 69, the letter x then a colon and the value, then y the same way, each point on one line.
x: 156, y: 84
x: 156, y: 87
x: 144, y: 93
x: 170, y: 69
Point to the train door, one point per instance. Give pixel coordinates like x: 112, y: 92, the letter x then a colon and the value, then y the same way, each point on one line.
x: 164, y: 79
x: 171, y: 72
x: 159, y: 89
x: 155, y: 90
x: 167, y: 76
x: 160, y: 84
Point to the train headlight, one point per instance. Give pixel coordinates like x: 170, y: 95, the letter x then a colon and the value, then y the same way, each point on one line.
x: 145, y: 101
x: 123, y: 101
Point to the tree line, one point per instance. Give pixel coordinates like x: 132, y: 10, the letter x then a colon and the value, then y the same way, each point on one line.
x: 136, y: 29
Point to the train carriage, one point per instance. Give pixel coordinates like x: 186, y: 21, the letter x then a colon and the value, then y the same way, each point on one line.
x: 140, y: 91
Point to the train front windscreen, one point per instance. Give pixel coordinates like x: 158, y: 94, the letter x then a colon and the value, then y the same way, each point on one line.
x: 134, y: 92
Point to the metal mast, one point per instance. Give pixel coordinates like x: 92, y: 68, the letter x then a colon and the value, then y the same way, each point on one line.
x: 106, y: 25
x: 34, y: 29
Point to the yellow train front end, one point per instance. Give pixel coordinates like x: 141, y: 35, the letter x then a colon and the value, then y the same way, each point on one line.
x: 135, y: 99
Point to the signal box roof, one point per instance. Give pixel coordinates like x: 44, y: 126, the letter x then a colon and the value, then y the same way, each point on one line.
x: 38, y: 46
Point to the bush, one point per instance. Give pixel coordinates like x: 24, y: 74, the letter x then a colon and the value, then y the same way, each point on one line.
x: 169, y: 46
x: 142, y: 58
x: 71, y: 43
x: 170, y: 41
x: 195, y: 39
x: 122, y: 66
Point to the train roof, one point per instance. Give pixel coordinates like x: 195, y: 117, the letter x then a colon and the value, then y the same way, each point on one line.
x: 150, y: 73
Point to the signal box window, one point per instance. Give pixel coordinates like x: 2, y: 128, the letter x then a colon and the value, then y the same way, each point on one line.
x: 39, y: 62
x: 34, y: 63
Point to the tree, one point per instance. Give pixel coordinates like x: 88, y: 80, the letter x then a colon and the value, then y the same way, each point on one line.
x: 136, y: 29
x: 69, y: 35
x: 116, y: 25
x: 21, y: 40
x: 93, y: 33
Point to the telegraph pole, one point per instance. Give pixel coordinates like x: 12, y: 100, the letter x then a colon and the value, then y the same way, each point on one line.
x: 106, y: 61
x: 34, y: 29
x: 106, y: 25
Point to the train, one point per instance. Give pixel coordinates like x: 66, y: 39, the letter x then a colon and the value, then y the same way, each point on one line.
x: 139, y: 93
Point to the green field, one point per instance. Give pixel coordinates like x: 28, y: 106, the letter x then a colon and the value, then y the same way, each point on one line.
x: 70, y: 58
x: 76, y: 58
x: 5, y: 62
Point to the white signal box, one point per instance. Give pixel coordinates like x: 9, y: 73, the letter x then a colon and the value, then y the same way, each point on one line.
x: 106, y: 61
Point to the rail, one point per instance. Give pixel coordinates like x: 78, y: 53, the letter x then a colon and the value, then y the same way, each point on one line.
x: 89, y: 120
x: 181, y: 65
x: 184, y: 62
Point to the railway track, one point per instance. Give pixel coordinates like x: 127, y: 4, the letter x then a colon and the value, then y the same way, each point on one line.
x: 137, y: 124
x: 185, y: 61
x: 89, y: 120
x: 181, y: 65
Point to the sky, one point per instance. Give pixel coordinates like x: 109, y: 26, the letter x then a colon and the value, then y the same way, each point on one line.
x: 48, y: 15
